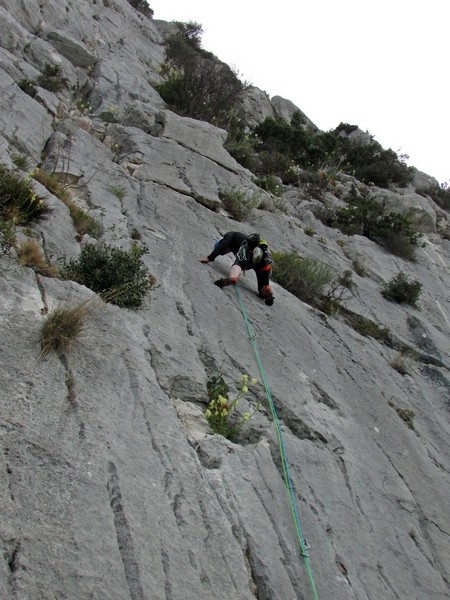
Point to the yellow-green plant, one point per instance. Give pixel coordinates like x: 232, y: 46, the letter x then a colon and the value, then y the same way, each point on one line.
x: 221, y: 410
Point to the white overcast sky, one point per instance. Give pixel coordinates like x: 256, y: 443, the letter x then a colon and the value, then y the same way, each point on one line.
x: 383, y: 65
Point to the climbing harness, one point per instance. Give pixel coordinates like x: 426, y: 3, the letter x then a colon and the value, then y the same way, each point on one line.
x: 304, y: 546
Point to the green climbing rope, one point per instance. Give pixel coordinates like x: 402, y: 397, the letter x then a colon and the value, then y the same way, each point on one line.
x: 284, y: 461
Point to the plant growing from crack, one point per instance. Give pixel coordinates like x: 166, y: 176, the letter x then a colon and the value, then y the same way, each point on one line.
x: 65, y: 325
x: 221, y: 411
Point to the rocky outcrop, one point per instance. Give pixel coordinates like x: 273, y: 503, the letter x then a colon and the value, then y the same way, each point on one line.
x: 112, y: 484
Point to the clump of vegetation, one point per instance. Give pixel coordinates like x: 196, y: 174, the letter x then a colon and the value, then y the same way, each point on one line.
x: 367, y: 327
x: 52, y: 78
x: 7, y: 236
x: 197, y: 84
x: 401, y: 289
x: 270, y: 184
x: 305, y: 277
x: 52, y: 182
x: 20, y: 161
x: 359, y: 267
x: 365, y: 216
x: 403, y: 362
x: 64, y: 326
x: 118, y: 191
x: 315, y: 183
x: 407, y: 415
x: 439, y: 193
x: 28, y: 86
x: 82, y: 221
x: 19, y: 202
x: 117, y: 275
x: 30, y: 254
x: 339, y: 289
x: 292, y: 149
x: 221, y: 410
x: 373, y: 165
x: 238, y: 203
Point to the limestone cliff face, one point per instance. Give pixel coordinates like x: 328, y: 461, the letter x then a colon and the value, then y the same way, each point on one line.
x: 112, y: 486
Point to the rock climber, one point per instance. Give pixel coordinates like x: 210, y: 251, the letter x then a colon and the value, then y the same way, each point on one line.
x: 251, y: 252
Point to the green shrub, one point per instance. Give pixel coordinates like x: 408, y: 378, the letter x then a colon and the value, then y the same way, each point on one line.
x: 197, y: 84
x: 270, y: 184
x: 340, y: 289
x: 316, y: 150
x: 238, y: 203
x: 18, y: 200
x: 20, y: 161
x: 439, y: 193
x: 28, y: 86
x: 118, y: 276
x: 51, y: 78
x: 401, y: 289
x: 190, y: 32
x: 367, y: 327
x: 306, y: 277
x: 371, y: 164
x: 365, y: 216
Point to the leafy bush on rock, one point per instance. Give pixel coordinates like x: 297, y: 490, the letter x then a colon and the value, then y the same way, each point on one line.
x: 401, y: 289
x: 117, y: 275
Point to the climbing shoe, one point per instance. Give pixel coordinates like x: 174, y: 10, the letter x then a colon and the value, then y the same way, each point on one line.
x: 268, y: 298
x: 228, y: 281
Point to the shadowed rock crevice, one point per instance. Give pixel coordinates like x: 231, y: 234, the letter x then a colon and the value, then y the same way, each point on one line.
x: 166, y: 568
x: 352, y: 493
x: 297, y: 426
x: 124, y: 538
x: 11, y: 550
x: 387, y: 582
x: 320, y: 395
x: 69, y: 377
x: 43, y: 294
x: 11, y: 554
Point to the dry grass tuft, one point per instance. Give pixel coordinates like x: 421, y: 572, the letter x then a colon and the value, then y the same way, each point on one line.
x: 31, y: 254
x: 64, y: 326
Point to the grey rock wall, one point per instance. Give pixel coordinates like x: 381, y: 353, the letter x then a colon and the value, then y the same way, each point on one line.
x: 112, y: 485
